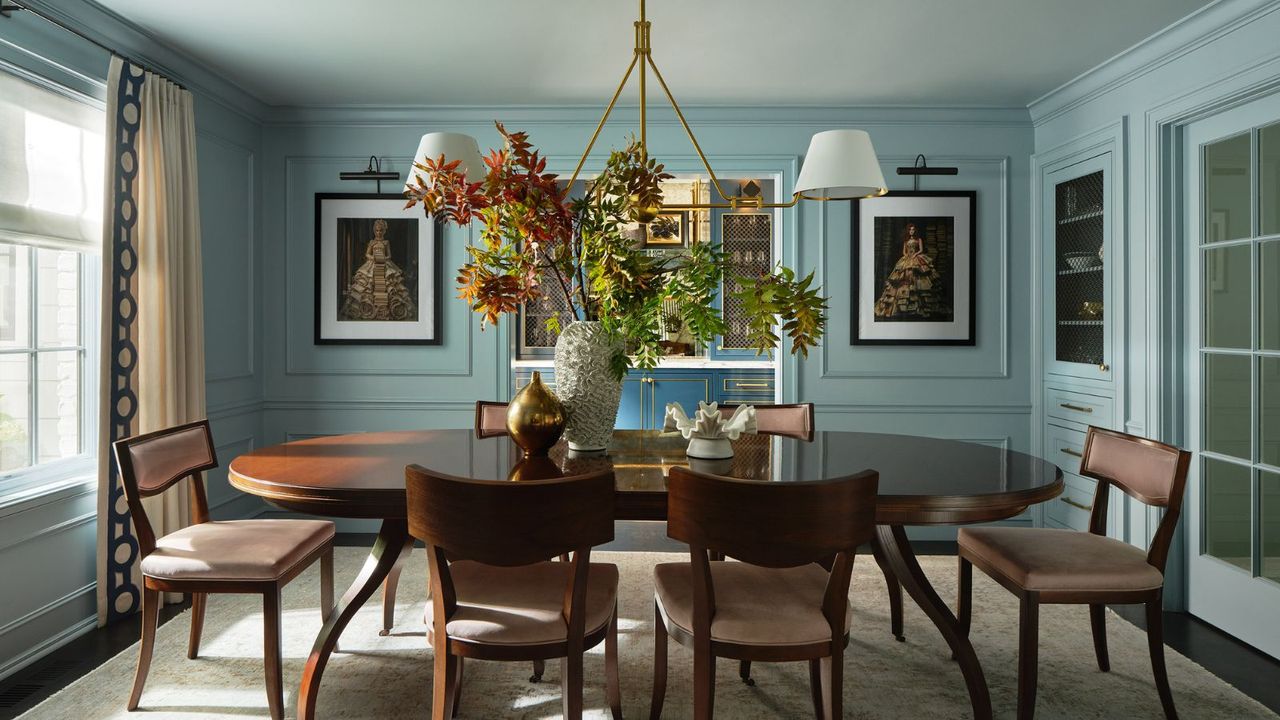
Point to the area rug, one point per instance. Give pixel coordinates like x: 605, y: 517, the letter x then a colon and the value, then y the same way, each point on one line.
x: 390, y: 677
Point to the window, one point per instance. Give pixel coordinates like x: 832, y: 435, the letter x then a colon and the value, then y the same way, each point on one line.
x: 51, y: 174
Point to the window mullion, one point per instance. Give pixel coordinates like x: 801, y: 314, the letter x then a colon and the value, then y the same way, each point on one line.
x: 33, y: 375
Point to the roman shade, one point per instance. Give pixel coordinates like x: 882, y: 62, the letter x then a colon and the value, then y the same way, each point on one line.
x: 51, y: 161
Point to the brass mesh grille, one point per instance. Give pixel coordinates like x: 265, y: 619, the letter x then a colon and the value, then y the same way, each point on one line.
x: 747, y: 241
x: 1079, y: 264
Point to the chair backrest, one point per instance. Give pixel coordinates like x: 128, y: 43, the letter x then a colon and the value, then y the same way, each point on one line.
x: 151, y: 463
x: 794, y: 420
x: 491, y: 418
x: 773, y: 524
x: 1148, y: 471
x: 509, y: 523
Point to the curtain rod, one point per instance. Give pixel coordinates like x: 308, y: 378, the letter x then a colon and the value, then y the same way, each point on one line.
x: 8, y: 7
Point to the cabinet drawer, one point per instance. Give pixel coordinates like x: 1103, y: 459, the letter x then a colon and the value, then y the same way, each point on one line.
x: 1078, y: 407
x: 523, y: 377
x: 1071, y: 509
x: 1064, y: 447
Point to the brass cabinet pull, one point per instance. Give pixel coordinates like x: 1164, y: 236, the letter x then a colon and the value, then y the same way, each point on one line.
x: 1073, y: 453
x: 1076, y: 505
x: 1104, y: 367
x: 1077, y: 408
x: 751, y: 385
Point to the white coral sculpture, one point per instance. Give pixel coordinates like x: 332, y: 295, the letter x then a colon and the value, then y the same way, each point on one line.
x: 708, y: 431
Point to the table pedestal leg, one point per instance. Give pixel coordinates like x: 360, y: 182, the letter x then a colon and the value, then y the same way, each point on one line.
x: 897, y: 551
x: 393, y: 539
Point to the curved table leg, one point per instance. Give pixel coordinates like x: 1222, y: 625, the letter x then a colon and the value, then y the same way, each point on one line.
x: 895, y: 590
x: 393, y: 540
x: 897, y: 551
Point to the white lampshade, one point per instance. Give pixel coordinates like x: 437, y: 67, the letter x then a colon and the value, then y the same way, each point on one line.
x: 453, y: 146
x: 839, y: 165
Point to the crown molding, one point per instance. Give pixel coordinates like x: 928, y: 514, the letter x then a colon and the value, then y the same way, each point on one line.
x: 1185, y: 36
x: 729, y: 115
x: 113, y: 30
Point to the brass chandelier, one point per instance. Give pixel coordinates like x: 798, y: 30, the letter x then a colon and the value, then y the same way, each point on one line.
x: 839, y: 164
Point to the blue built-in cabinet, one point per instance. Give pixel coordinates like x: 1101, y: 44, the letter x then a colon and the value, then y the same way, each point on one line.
x: 645, y: 394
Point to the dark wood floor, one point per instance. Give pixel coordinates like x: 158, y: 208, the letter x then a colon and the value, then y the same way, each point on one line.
x: 1248, y: 670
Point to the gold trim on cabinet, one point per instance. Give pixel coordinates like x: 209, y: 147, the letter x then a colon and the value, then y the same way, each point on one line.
x: 1077, y: 408
x: 1073, y: 453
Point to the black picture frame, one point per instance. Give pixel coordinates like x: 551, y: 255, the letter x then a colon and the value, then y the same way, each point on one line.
x: 861, y: 294
x: 428, y: 284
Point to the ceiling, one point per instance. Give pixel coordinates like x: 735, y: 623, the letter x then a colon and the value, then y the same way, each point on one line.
x: 552, y: 52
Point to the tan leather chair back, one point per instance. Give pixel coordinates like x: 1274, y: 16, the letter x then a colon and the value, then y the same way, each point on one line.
x: 1143, y: 469
x: 491, y: 418
x: 149, y: 464
x: 794, y: 421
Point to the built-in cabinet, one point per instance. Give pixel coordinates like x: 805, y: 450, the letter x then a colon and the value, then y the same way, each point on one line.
x: 1082, y: 251
x: 645, y: 394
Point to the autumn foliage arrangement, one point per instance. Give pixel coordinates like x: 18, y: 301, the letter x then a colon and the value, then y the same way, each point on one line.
x: 536, y: 239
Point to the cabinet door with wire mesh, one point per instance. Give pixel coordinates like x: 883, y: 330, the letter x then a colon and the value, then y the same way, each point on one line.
x: 747, y: 241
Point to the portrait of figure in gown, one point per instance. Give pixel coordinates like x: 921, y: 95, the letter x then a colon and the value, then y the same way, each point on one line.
x: 377, y: 269
x: 914, y: 269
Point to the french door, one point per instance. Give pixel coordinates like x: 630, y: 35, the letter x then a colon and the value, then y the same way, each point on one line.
x: 1233, y: 399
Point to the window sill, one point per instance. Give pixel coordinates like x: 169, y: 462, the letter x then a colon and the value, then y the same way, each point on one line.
x: 47, y: 485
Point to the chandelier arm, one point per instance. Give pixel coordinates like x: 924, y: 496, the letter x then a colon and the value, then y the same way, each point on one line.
x: 683, y: 123
x: 603, y: 119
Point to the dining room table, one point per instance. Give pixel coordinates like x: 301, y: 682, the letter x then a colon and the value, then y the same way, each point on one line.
x: 923, y: 481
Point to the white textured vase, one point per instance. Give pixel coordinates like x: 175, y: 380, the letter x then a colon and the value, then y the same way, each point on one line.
x: 585, y: 386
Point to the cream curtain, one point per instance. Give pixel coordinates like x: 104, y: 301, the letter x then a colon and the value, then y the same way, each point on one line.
x: 167, y: 329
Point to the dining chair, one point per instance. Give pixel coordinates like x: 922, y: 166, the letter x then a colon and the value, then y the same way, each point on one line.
x: 494, y: 593
x: 793, y: 420
x: 1052, y: 566
x: 786, y: 600
x: 491, y: 418
x: 797, y: 421
x: 208, y: 556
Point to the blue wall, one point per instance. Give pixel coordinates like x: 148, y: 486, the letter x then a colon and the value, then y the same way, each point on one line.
x: 48, y: 545
x: 981, y: 393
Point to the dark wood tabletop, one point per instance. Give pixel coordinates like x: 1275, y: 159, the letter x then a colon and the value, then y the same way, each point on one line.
x: 923, y: 481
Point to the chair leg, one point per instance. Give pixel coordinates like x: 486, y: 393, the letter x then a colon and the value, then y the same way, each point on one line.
x: 326, y: 584
x: 197, y: 624
x: 1155, y: 643
x: 443, y: 679
x: 150, y: 614
x: 1098, y: 621
x: 271, y: 655
x: 613, y: 690
x: 1028, y: 655
x: 815, y: 686
x: 744, y: 672
x: 659, y: 665
x: 571, y: 686
x: 833, y: 685
x: 389, y: 592
x: 539, y: 667
x: 457, y: 686
x: 704, y: 680
x: 895, y: 591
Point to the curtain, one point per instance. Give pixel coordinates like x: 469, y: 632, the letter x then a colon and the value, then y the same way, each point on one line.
x: 153, y: 315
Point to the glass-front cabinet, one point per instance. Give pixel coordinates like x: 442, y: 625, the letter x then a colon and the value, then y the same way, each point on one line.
x: 1078, y: 235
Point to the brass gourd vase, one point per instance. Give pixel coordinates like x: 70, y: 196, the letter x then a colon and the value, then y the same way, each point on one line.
x: 535, y: 417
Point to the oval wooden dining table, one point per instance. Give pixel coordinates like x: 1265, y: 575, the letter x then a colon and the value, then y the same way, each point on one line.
x: 923, y: 481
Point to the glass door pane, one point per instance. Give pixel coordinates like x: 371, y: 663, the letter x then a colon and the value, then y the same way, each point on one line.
x: 1227, y: 408
x: 1228, y: 513
x: 1228, y: 211
x: 1228, y: 285
x: 1270, y: 483
x: 1269, y: 178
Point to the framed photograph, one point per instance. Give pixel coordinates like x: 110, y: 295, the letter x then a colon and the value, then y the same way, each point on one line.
x: 914, y: 269
x: 668, y: 229
x: 377, y: 271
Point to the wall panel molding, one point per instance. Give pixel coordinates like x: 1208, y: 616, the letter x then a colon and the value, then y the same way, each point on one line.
x: 250, y: 257
x: 1001, y: 371
x: 61, y: 526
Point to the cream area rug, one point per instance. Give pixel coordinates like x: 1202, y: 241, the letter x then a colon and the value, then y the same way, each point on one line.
x: 390, y: 677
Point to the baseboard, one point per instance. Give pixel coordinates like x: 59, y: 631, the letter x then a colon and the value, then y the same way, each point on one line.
x: 34, y: 654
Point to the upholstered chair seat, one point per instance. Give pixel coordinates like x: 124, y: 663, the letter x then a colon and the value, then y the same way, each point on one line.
x: 1047, y: 559
x: 237, y: 549
x: 524, y: 605
x: 754, y: 605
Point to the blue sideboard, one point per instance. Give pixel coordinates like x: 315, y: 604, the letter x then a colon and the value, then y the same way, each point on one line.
x: 645, y: 394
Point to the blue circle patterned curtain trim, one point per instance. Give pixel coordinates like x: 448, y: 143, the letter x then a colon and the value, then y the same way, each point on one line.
x: 123, y: 594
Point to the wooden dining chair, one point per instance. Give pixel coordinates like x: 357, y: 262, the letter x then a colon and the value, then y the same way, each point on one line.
x: 494, y: 594
x: 794, y: 421
x: 233, y: 556
x: 788, y: 598
x: 1046, y: 565
x: 491, y: 418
